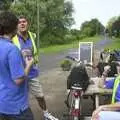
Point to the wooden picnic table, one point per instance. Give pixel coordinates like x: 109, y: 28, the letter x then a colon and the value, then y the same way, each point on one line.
x: 95, y: 91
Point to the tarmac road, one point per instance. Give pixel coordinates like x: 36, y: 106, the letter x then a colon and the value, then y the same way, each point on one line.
x: 54, y: 85
x: 48, y: 62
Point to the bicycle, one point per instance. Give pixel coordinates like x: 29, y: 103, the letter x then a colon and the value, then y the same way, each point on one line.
x: 77, y: 88
x: 75, y: 106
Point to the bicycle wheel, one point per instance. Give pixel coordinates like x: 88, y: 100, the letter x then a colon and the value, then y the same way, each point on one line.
x: 74, y: 118
x: 75, y: 108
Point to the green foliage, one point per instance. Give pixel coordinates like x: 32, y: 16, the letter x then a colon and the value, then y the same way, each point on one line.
x: 61, y: 48
x: 91, y: 28
x: 114, y: 45
x: 5, y: 4
x: 109, y: 25
x: 75, y: 35
x: 29, y: 9
x: 55, y: 21
x: 113, y: 26
x: 116, y: 28
x: 66, y: 65
x: 55, y: 18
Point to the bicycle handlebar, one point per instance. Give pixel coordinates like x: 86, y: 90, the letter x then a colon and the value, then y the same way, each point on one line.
x: 73, y: 59
x: 78, y: 61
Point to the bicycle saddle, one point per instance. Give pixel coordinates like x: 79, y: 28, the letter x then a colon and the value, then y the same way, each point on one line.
x: 76, y: 87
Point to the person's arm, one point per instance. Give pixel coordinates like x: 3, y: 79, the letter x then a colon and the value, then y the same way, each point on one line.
x: 104, y: 83
x: 109, y: 107
x: 27, y: 69
x: 29, y: 63
x: 103, y: 78
x: 16, y: 67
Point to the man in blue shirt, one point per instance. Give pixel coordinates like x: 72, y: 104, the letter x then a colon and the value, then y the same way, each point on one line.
x: 25, y: 41
x: 13, y: 83
x: 110, y: 111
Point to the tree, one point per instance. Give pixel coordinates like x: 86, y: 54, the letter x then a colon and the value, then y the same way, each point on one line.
x: 55, y: 18
x: 110, y: 24
x: 5, y: 4
x: 91, y: 28
x: 58, y: 18
x: 114, y: 26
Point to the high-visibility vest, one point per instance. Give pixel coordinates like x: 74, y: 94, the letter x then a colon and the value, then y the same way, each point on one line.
x: 16, y: 42
x: 116, y: 84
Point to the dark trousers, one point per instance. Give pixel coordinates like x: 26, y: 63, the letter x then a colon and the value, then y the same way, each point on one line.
x: 24, y: 115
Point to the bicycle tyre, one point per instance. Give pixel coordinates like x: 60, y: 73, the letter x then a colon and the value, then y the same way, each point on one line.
x: 75, y: 105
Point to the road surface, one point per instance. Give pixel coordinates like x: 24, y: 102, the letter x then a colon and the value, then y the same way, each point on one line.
x: 51, y: 61
x: 54, y: 84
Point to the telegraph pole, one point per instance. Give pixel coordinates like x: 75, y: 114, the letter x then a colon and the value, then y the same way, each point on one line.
x: 38, y: 24
x: 38, y: 31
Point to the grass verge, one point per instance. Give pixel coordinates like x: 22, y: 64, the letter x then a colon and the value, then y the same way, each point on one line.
x: 115, y: 44
x: 58, y: 48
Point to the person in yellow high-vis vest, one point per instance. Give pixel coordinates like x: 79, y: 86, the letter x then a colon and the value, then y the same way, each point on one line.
x: 25, y: 41
x: 109, y: 111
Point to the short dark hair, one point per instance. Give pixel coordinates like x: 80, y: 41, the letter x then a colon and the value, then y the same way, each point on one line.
x: 8, y: 22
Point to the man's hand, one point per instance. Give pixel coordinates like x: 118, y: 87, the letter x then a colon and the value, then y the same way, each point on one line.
x: 103, y: 77
x: 107, y: 68
x: 29, y: 62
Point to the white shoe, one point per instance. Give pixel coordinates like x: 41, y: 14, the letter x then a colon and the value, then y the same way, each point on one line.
x: 48, y: 116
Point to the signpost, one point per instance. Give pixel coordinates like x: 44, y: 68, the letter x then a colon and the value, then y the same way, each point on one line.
x: 86, y: 52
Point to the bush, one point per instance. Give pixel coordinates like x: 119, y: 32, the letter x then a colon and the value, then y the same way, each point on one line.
x: 66, y: 65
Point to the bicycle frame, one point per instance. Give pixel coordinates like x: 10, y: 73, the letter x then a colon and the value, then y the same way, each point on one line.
x: 75, y: 105
x: 74, y: 101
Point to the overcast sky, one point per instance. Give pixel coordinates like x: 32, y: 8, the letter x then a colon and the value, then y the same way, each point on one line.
x: 101, y: 9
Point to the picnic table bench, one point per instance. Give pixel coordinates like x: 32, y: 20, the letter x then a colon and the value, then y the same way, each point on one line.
x: 95, y: 91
